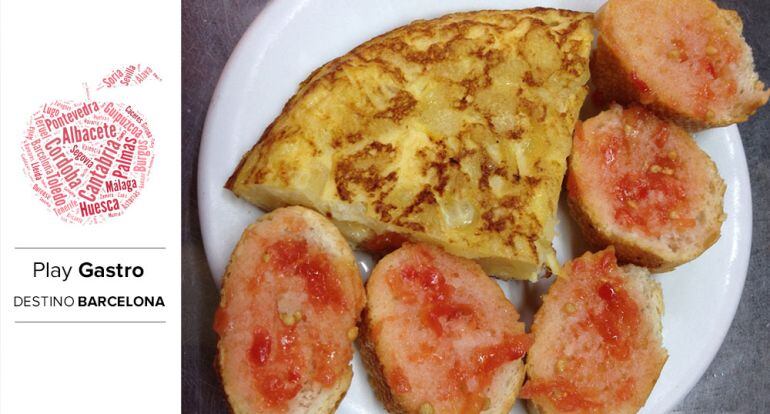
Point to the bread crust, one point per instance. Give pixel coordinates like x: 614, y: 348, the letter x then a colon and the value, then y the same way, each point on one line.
x: 374, y: 368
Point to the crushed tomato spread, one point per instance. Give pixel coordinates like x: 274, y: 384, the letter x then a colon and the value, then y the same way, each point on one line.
x: 613, y: 318
x: 424, y: 287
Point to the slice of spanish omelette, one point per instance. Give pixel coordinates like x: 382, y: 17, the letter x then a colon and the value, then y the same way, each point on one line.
x: 453, y: 131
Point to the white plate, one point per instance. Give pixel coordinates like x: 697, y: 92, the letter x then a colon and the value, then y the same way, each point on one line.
x: 292, y: 37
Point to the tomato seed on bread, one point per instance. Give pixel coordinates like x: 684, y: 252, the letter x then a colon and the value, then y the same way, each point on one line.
x: 291, y: 298
x: 686, y: 60
x: 439, y: 336
x: 643, y: 185
x: 597, y: 339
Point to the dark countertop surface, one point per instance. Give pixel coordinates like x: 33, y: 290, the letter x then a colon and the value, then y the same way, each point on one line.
x: 738, y: 380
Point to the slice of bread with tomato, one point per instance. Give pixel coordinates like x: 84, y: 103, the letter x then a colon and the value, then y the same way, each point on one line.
x: 686, y: 60
x: 643, y: 185
x: 439, y: 336
x: 291, y: 298
x: 597, y: 339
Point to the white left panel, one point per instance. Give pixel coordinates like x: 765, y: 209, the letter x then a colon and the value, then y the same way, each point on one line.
x: 79, y: 196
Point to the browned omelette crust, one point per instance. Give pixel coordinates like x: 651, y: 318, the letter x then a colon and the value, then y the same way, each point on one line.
x: 453, y: 131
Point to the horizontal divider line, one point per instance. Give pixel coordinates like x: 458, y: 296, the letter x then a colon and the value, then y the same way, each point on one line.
x: 88, y: 248
x: 89, y: 321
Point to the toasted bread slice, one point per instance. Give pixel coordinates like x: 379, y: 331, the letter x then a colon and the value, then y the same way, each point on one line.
x: 597, y: 339
x: 686, y: 60
x: 291, y: 298
x: 453, y: 131
x: 643, y: 185
x: 439, y: 336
